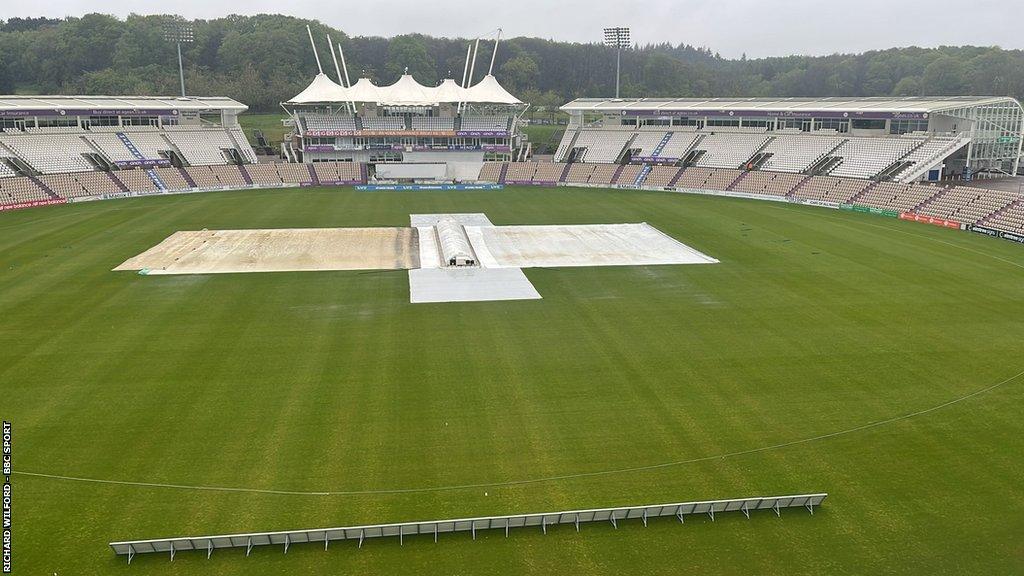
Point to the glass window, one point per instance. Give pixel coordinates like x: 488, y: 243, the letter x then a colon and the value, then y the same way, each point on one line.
x: 907, y: 126
x: 862, y: 124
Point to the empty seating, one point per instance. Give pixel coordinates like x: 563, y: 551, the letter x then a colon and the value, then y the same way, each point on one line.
x: 931, y: 152
x: 490, y: 172
x: 661, y: 176
x: 97, y: 183
x: 678, y: 145
x: 137, y: 180
x: 694, y: 178
x: 521, y: 172
x: 768, y: 183
x: 264, y: 174
x: 112, y: 147
x: 565, y: 146
x: 294, y: 173
x: 728, y: 150
x: 4, y: 170
x: 202, y: 147
x: 434, y: 123
x: 64, y: 185
x: 485, y: 123
x: 707, y: 178
x: 646, y: 143
x: 1010, y: 219
x: 228, y: 176
x: 968, y: 205
x: 796, y: 153
x: 328, y: 122
x: 203, y: 177
x: 579, y: 172
x: 895, y: 196
x: 384, y: 123
x: 548, y: 172
x: 242, y: 145
x: 328, y: 172
x: 602, y: 145
x: 830, y: 189
x: 172, y: 178
x: 628, y: 175
x: 603, y: 174
x: 149, y: 144
x: 50, y: 153
x: 21, y: 189
x: 866, y: 157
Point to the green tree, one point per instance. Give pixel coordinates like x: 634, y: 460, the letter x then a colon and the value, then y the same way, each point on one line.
x: 520, y: 73
x: 945, y: 76
x: 410, y: 53
x: 908, y: 86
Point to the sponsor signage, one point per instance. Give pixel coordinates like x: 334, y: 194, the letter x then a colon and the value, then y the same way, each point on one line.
x: 929, y: 220
x: 653, y: 160
x: 147, y: 163
x: 382, y: 133
x: 984, y: 230
x: 1011, y: 236
x: 420, y: 133
x: 737, y: 113
x: 88, y: 112
x: 531, y: 183
x: 820, y: 203
x: 33, y: 204
x: 483, y: 133
x: 318, y: 148
x: 406, y: 187
x: 873, y: 210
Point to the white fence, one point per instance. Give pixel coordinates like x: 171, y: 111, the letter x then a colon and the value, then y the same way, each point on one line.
x: 435, y: 527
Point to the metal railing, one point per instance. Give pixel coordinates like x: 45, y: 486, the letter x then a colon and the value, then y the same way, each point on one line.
x: 435, y: 527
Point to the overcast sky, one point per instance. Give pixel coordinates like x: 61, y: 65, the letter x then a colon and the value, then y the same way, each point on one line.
x: 731, y: 27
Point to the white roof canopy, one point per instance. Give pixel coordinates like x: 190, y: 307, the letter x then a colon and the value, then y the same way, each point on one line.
x: 89, y: 104
x: 920, y: 104
x: 405, y: 92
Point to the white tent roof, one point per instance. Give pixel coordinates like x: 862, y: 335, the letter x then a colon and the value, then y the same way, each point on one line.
x: 405, y: 92
x: 364, y: 91
x: 488, y: 90
x: 321, y: 89
x: 449, y: 91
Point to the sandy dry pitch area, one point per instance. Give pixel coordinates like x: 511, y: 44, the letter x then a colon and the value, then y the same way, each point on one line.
x: 280, y: 250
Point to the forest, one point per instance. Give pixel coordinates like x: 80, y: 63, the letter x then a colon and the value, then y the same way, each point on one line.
x: 264, y: 59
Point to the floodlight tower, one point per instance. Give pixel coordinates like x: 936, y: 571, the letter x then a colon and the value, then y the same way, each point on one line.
x: 618, y: 38
x: 180, y: 32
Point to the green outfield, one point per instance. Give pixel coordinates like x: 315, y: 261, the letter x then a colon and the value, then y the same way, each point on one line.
x: 819, y: 355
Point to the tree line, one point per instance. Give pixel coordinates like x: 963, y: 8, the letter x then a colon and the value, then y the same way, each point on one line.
x: 264, y: 59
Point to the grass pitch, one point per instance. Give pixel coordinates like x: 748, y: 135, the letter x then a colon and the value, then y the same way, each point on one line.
x: 815, y: 322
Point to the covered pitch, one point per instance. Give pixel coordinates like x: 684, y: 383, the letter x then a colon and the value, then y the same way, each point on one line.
x: 279, y: 250
x: 450, y: 257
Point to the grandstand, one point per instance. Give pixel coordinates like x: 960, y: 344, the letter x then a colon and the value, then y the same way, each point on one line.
x: 898, y: 139
x: 69, y: 134
x: 406, y: 122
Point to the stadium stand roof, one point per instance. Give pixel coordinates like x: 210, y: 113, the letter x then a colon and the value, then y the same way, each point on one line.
x: 113, y: 105
x: 405, y: 92
x: 912, y: 104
